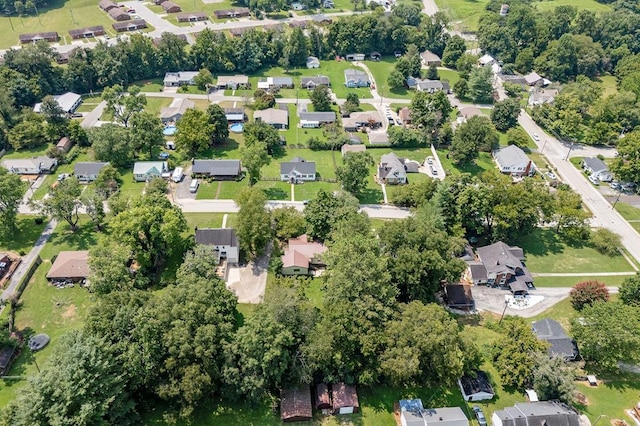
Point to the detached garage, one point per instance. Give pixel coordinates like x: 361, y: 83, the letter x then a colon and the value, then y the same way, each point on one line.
x: 345, y: 399
x: 476, y: 388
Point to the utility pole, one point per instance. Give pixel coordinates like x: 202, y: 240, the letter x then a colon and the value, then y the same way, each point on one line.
x: 569, y: 152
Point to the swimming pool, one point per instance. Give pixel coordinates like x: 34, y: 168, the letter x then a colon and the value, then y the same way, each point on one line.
x: 169, y: 130
x: 237, y: 128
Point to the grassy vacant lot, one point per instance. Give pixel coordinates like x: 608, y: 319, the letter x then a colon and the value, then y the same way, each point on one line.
x: 25, y: 237
x: 381, y: 70
x: 60, y: 16
x: 483, y: 162
x: 547, y: 252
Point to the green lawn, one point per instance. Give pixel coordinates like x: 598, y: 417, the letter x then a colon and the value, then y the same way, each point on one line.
x: 628, y: 211
x: 206, y: 220
x: 483, y: 162
x: 58, y: 15
x: 130, y: 188
x: 580, y: 4
x: 452, y: 76
x: 63, y: 239
x: 615, y: 281
x: 381, y: 70
x: 27, y: 153
x: 609, y: 85
x: 548, y: 252
x: 155, y: 105
x: 25, y: 237
x: 64, y: 168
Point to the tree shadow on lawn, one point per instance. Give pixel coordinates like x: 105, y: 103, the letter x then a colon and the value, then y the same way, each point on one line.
x: 222, y: 149
x: 26, y: 235
x: 83, y: 238
x: 371, y: 196
x: 275, y: 194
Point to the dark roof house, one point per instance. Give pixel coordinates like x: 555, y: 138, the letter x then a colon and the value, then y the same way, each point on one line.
x: 87, y: 171
x: 191, y: 17
x: 559, y: 343
x: 476, y: 388
x: 295, y: 404
x: 50, y: 36
x: 217, y: 237
x: 298, y: 169
x: 323, y: 400
x: 218, y: 169
x: 458, y: 296
x: 313, y: 82
x: 107, y: 5
x: 136, y: 24
x: 501, y: 265
x: 77, y: 33
x: 170, y: 7
x: 118, y: 14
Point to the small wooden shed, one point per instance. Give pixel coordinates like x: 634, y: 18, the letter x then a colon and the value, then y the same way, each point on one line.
x: 345, y: 399
x: 295, y: 404
x: 323, y: 400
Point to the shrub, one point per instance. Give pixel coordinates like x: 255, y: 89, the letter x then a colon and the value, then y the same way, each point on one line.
x: 600, y: 157
x: 586, y: 293
x: 39, y: 220
x: 606, y: 242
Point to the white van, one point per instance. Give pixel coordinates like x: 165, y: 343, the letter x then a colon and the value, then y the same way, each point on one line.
x: 178, y: 174
x: 194, y: 185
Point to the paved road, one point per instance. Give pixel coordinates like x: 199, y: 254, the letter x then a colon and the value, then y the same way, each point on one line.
x: 92, y: 118
x: 28, y: 260
x: 602, y: 213
x: 161, y: 25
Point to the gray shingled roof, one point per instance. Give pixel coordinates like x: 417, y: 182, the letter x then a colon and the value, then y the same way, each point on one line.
x: 298, y: 164
x: 323, y: 117
x: 216, y: 167
x: 538, y: 413
x: 595, y: 164
x: 217, y: 237
x: 510, y: 156
x: 317, y: 80
x: 88, y: 168
x: 390, y: 165
x: 552, y: 332
x: 479, y: 383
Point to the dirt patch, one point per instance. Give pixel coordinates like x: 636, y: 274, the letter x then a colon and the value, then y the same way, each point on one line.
x: 70, y: 312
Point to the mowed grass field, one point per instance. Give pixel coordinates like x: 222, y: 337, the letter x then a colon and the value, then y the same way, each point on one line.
x: 60, y: 16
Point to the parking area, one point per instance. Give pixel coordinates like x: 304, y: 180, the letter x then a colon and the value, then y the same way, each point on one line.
x: 493, y: 300
x: 181, y: 189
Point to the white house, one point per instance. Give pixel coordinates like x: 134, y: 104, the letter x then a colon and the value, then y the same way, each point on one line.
x: 68, y: 102
x: 316, y: 119
x: 87, y: 171
x: 30, y: 166
x: 536, y: 413
x: 180, y: 78
x: 298, y: 169
x: 224, y: 240
x: 513, y: 160
x: 597, y: 168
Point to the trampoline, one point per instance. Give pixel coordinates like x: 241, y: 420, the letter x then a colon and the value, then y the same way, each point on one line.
x: 37, y: 342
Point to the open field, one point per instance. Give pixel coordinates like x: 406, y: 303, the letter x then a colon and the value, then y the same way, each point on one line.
x: 547, y: 252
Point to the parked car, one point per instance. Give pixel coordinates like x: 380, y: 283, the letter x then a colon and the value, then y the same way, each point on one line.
x: 594, y: 180
x: 551, y: 175
x: 429, y: 160
x: 615, y: 185
x: 193, y: 187
x: 62, y: 176
x: 163, y: 155
x: 536, y: 137
x: 479, y: 415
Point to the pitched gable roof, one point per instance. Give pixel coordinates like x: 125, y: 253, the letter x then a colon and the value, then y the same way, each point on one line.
x: 88, y: 168
x: 217, y: 237
x: 299, y: 165
x: 510, y: 156
x: 70, y: 264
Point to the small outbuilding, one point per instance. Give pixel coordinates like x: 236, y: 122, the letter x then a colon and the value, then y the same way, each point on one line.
x: 313, y: 62
x: 64, y: 144
x: 476, y: 388
x: 295, y: 404
x: 323, y: 400
x: 345, y: 399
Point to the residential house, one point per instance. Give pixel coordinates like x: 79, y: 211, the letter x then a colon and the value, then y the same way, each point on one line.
x: 413, y: 413
x: 354, y: 78
x: 174, y: 112
x: 302, y: 257
x: 87, y: 171
x: 217, y: 169
x: 542, y: 96
x: 429, y: 58
x: 224, y: 240
x: 375, y: 56
x: 317, y: 119
x: 560, y: 344
x: 536, y: 413
x: 363, y: 119
x: 170, y: 7
x: 64, y: 144
x: 486, y: 59
x: 63, y: 57
x: 192, y: 17
x: 119, y: 15
x: 533, y: 78
x: 298, y: 6
x: 86, y: 32
x: 233, y: 82
x: 180, y: 78
x: 313, y: 62
x: 298, y: 169
x: 356, y: 56
x: 499, y: 265
x: 311, y: 83
x: 345, y: 399
x: 144, y: 171
x: 49, y: 36
x: 68, y: 102
x: 271, y: 83
x: 136, y: 24
x: 30, y: 166
x: 236, y: 12
x: 107, y: 5
x: 514, y: 161
x: 459, y: 296
x: 275, y: 117
x: 405, y: 116
x: 235, y: 115
x: 597, y: 168
x: 476, y: 387
x: 346, y: 148
x: 429, y: 86
x: 70, y: 265
x: 504, y: 9
x: 295, y: 404
x: 7, y: 356
x: 391, y: 171
x: 378, y: 138
x: 237, y: 31
x: 321, y: 19
x: 323, y: 399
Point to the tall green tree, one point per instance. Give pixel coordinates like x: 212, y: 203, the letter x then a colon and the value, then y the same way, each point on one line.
x: 258, y: 132
x: 477, y: 134
x: 108, y: 262
x: 254, y: 222
x: 297, y: 48
x: 194, y: 132
x: 29, y: 133
x: 481, y: 85
x: 123, y: 105
x: 254, y: 157
x: 146, y: 133
x: 11, y: 190
x: 626, y: 166
x: 415, y: 355
x: 327, y: 210
x: 63, y: 202
x: 81, y: 384
x: 504, y: 114
x: 630, y: 290
x: 454, y: 49
x: 554, y: 378
x: 321, y: 98
x: 112, y: 143
x: 219, y: 124
x: 151, y: 228
x: 288, y: 223
x: 354, y: 171
x: 108, y: 181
